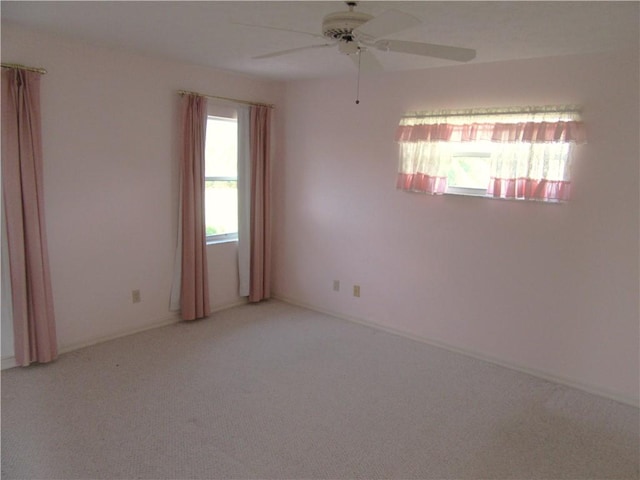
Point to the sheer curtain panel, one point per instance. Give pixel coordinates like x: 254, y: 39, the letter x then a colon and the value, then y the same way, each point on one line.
x: 531, y: 149
x: 194, y: 291
x: 22, y: 187
x: 244, y: 201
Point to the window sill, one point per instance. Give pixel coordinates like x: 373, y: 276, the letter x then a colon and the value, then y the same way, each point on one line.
x: 489, y: 197
x: 222, y: 240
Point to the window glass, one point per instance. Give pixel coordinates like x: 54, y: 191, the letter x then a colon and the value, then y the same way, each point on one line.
x: 221, y: 179
x: 470, y: 166
x: 221, y: 147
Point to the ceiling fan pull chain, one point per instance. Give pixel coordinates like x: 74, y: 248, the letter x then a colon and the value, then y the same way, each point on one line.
x: 358, y: 81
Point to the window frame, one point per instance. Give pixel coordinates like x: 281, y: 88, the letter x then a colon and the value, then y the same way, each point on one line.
x: 230, y: 236
x: 468, y: 191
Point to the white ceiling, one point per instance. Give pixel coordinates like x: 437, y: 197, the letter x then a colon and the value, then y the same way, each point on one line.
x: 207, y: 33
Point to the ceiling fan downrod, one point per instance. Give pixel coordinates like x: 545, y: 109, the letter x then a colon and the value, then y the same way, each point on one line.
x: 358, y: 81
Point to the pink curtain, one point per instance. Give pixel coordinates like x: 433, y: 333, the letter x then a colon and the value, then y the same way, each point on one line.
x: 22, y: 185
x: 194, y: 292
x: 420, y: 182
x: 260, y: 260
x: 530, y: 189
x: 532, y: 161
x: 424, y: 163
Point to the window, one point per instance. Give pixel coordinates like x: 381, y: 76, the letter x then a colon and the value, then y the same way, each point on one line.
x: 520, y: 153
x: 469, y: 169
x: 221, y: 179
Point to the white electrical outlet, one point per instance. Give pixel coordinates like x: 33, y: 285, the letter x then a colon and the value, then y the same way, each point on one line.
x: 135, y: 296
x: 356, y: 290
x: 336, y: 285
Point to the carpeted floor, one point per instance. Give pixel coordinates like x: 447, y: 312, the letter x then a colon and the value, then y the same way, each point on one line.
x: 275, y: 391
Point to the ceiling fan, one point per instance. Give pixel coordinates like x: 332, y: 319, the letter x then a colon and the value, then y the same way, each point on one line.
x: 357, y: 33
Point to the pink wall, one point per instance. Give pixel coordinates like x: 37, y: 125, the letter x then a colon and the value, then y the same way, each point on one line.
x: 548, y: 288
x: 110, y: 143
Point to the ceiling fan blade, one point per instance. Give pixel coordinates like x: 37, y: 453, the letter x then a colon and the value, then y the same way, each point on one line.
x: 446, y: 52
x: 368, y: 61
x: 279, y: 29
x: 386, y: 23
x: 292, y: 50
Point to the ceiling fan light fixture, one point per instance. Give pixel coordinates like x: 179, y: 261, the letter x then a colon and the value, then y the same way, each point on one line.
x: 348, y: 48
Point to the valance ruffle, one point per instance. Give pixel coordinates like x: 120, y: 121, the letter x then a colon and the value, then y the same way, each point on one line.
x: 530, y: 132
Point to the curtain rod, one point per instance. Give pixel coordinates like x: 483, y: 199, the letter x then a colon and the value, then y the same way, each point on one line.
x: 494, y: 111
x: 41, y: 71
x: 235, y: 100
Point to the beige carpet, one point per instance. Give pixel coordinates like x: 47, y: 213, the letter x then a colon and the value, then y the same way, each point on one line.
x: 276, y: 391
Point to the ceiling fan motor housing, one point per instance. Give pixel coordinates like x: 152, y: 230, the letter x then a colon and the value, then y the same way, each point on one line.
x: 340, y: 25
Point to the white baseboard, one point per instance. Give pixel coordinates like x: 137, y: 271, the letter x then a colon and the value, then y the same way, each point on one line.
x: 94, y: 341
x: 602, y: 392
x: 10, y: 362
